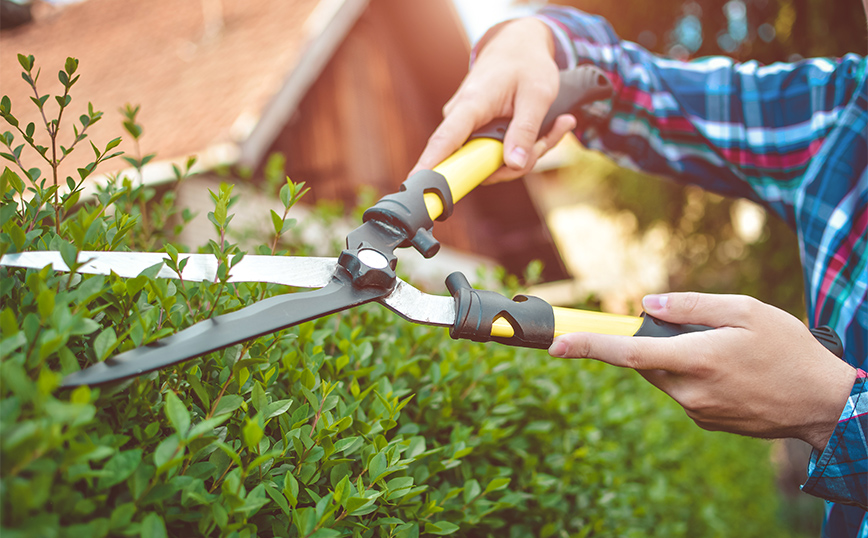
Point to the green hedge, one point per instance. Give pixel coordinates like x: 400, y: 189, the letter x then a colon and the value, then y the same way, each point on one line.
x: 358, y: 424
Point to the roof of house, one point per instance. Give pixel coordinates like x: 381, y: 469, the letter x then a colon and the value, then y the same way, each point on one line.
x: 203, y: 72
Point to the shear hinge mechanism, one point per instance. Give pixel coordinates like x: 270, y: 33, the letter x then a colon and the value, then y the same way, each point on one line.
x: 396, y: 220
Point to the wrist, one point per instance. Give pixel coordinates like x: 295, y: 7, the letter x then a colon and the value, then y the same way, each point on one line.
x: 833, y: 393
x: 527, y: 33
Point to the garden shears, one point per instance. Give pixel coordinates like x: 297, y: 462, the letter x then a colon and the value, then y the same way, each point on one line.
x: 365, y: 271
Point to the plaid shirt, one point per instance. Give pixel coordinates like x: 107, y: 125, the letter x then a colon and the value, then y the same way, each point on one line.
x: 793, y: 137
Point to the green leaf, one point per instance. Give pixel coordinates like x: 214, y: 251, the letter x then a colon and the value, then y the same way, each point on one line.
x: 242, y: 376
x: 358, y: 503
x: 471, y: 490
x: 153, y: 526
x: 350, y: 445
x: 68, y: 253
x: 290, y: 489
x: 120, y: 467
x: 326, y: 533
x: 496, y: 484
x: 70, y: 65
x: 17, y: 235
x: 167, y: 452
x: 122, y: 516
x: 275, y: 409
x: 258, y: 397
x: 46, y: 303
x: 252, y: 433
x: 377, y: 466
x: 342, y: 489
x: 277, y: 222
x: 228, y: 403
x: 81, y: 395
x: 112, y: 144
x: 26, y: 61
x: 401, y: 482
x: 177, y: 413
x: 16, y: 182
x: 105, y: 343
x: 314, y: 454
x: 199, y: 389
x: 441, y: 528
x: 207, y: 426
x: 279, y: 499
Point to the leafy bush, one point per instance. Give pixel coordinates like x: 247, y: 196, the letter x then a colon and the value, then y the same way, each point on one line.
x: 358, y: 424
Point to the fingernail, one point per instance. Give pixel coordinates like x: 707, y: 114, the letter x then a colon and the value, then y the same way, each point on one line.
x: 518, y: 156
x: 654, y: 303
x: 558, y: 349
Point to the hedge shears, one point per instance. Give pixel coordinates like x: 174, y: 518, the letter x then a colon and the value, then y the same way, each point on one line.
x: 365, y: 271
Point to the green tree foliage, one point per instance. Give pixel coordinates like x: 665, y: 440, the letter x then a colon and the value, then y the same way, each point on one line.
x: 359, y: 424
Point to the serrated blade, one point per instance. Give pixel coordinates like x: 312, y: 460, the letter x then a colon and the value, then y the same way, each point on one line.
x: 302, y: 272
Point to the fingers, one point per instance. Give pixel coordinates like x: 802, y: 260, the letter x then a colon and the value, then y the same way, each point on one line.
x: 704, y: 308
x: 532, y: 101
x: 448, y: 137
x: 563, y: 124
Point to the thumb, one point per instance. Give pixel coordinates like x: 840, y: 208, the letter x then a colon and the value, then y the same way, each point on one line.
x: 623, y: 351
x: 702, y: 308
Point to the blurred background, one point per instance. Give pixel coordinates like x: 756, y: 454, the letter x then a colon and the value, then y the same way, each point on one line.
x: 342, y: 94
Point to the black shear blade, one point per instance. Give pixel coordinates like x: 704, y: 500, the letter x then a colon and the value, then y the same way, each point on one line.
x: 264, y: 317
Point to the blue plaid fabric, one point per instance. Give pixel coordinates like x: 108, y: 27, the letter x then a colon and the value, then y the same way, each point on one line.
x: 792, y: 137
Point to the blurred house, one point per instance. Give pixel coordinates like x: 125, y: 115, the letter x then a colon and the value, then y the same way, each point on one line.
x: 347, y: 90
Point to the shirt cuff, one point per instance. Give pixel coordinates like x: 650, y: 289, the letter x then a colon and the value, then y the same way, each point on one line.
x: 564, y: 56
x: 840, y: 472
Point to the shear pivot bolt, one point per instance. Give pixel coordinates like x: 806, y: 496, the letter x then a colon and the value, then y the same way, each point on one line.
x: 373, y: 259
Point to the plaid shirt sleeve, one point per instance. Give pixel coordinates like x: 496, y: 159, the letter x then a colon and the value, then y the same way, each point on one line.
x: 757, y: 132
x: 711, y: 121
x: 838, y: 473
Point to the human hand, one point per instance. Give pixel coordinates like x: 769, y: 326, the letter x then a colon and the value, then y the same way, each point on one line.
x: 760, y: 373
x: 514, y: 76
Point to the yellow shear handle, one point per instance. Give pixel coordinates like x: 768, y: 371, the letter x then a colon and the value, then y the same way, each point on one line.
x: 569, y: 320
x: 465, y: 169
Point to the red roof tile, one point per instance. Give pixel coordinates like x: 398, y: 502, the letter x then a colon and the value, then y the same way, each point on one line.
x: 193, y: 79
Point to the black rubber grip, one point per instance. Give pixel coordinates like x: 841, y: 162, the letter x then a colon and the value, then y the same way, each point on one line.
x: 652, y: 326
x: 532, y: 319
x: 578, y: 87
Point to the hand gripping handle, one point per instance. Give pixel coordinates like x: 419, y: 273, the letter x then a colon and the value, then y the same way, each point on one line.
x: 429, y: 195
x: 526, y: 321
x: 652, y: 326
x: 482, y: 155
